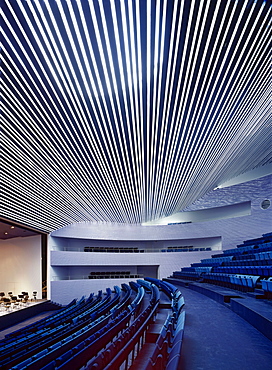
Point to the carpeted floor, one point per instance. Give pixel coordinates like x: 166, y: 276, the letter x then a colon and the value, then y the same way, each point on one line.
x: 215, y: 338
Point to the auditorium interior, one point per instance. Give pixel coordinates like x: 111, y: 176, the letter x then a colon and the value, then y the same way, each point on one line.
x: 136, y: 185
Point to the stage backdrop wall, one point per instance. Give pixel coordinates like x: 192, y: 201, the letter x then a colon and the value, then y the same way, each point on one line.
x: 21, y: 265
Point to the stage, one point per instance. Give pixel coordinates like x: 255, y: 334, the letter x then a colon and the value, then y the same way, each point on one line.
x: 16, y: 314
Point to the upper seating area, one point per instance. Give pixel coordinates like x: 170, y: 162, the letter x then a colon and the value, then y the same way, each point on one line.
x: 188, y: 248
x: 101, y: 331
x: 247, y: 268
x: 117, y: 249
x: 113, y: 250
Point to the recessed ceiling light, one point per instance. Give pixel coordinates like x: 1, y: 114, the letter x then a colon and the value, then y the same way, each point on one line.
x: 6, y: 233
x: 12, y: 227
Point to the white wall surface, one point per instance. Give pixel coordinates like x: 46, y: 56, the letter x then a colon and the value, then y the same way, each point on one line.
x: 75, y: 244
x: 63, y: 291
x: 20, y: 268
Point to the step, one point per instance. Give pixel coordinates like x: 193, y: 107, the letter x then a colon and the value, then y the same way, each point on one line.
x: 260, y: 291
x: 256, y: 295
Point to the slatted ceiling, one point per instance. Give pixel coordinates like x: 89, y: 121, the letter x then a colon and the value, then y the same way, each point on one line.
x: 129, y: 110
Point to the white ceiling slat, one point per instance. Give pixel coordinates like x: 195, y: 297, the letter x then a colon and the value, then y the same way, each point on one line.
x: 129, y: 111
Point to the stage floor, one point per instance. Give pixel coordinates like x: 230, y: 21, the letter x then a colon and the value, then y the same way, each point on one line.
x: 21, y: 306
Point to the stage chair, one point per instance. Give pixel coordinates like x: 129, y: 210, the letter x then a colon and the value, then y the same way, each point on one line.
x: 25, y: 299
x: 7, y: 303
x: 14, y: 301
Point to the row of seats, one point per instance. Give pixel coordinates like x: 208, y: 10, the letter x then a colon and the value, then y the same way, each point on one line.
x: 215, y: 261
x: 137, y: 250
x: 113, y: 275
x: 262, y: 271
x: 218, y: 260
x: 248, y: 262
x: 246, y: 283
x: 114, y: 355
x: 167, y: 351
x: 266, y: 238
x: 182, y: 249
x: 113, y: 250
x: 244, y: 268
x: 187, y: 275
x: 97, y: 332
x: 20, y: 347
x: 248, y: 249
x: 267, y: 287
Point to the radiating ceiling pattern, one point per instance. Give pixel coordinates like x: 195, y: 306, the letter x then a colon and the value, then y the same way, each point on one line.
x: 129, y: 110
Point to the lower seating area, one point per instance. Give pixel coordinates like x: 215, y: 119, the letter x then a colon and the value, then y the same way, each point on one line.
x: 102, y: 331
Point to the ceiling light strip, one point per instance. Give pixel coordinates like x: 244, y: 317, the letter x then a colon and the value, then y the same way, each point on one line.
x: 64, y: 141
x: 184, y: 156
x: 132, y: 132
x: 71, y: 86
x: 27, y: 196
x: 169, y: 90
x: 157, y: 110
x: 21, y: 103
x: 148, y: 105
x: 175, y: 124
x: 115, y: 159
x: 210, y: 64
x: 233, y: 37
x: 224, y: 119
x: 136, y: 82
x: 110, y: 58
x: 40, y: 162
x: 154, y: 82
x: 195, y: 51
x: 105, y: 105
x: 138, y: 138
x: 57, y: 178
x: 186, y: 85
x: 121, y: 137
x: 79, y: 149
x: 141, y: 121
x: 41, y: 95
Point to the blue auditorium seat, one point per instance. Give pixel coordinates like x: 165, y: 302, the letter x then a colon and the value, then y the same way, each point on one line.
x: 40, y: 354
x: 50, y: 366
x: 66, y: 356
x: 23, y: 364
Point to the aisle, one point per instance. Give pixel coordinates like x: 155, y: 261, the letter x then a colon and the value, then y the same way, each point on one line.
x: 215, y: 338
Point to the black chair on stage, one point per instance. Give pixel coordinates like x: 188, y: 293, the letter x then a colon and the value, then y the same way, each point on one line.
x: 7, y: 303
